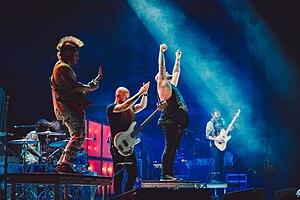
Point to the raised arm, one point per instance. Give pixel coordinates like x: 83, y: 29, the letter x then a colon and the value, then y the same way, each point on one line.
x: 132, y: 100
x: 139, y: 107
x: 163, y: 86
x: 176, y: 68
x: 162, y: 62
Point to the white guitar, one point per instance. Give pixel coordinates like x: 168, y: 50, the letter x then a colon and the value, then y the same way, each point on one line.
x: 125, y: 141
x: 223, y: 134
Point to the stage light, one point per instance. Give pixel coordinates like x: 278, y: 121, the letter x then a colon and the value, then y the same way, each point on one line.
x: 275, y: 62
x: 205, y: 69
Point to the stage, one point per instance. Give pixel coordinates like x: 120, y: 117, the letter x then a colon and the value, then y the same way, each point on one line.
x: 15, y: 180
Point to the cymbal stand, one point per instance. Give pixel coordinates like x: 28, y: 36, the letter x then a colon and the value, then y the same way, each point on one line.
x: 47, y: 148
x: 27, y: 190
x: 5, y: 148
x: 24, y: 156
x: 8, y: 149
x: 46, y: 192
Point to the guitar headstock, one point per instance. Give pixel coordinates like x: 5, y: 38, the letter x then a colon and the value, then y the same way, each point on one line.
x: 238, y: 113
x: 100, y: 74
x: 162, y: 105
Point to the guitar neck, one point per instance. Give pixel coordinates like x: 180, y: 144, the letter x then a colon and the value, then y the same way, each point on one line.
x: 233, y: 120
x: 135, y: 132
x: 98, y: 77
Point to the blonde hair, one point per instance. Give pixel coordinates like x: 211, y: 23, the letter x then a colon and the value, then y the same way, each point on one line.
x: 69, y: 41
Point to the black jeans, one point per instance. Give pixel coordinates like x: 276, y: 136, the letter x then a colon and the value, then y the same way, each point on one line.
x: 119, y: 170
x: 173, y: 135
x: 218, y: 157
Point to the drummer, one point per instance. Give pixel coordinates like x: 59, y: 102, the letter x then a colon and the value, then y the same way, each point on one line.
x: 33, y: 151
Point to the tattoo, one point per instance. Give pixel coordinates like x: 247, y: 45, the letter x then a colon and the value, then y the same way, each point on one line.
x: 131, y: 101
x: 176, y: 66
x: 161, y: 64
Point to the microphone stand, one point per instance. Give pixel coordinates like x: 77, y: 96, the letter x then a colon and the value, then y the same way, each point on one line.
x: 5, y: 149
x: 192, y: 142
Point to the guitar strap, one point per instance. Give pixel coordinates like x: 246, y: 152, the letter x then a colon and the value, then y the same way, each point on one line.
x: 217, y: 131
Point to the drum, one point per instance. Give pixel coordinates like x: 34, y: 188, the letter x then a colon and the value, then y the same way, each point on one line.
x: 41, y: 168
x: 81, y: 162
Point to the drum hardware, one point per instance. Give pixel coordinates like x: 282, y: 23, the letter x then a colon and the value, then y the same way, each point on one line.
x: 62, y: 143
x: 47, y: 133
x: 23, y: 141
x: 3, y: 134
x: 8, y: 150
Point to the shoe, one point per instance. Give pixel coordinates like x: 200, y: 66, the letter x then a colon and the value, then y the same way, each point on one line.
x: 168, y: 178
x: 64, y: 168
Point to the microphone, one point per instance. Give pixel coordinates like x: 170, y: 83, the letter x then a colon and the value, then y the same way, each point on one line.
x: 24, y: 126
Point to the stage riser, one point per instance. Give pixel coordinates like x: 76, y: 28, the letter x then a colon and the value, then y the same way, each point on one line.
x: 163, y: 194
x: 250, y: 194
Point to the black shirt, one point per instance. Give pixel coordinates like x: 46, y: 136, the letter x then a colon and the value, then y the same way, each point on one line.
x: 176, y: 111
x: 119, y: 122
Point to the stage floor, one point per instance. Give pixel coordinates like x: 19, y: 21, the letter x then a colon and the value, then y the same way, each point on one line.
x: 181, y: 184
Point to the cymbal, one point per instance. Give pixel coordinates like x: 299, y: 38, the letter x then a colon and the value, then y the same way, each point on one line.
x: 50, y: 133
x: 59, y: 143
x: 22, y: 141
x: 4, y: 134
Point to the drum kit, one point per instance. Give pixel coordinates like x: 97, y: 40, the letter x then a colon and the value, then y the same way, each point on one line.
x: 44, y: 159
x: 34, y: 158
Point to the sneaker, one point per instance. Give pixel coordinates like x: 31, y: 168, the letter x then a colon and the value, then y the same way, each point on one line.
x: 168, y: 178
x: 64, y: 168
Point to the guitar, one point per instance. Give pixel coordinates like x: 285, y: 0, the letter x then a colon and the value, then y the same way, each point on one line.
x: 125, y: 141
x: 223, y: 134
x: 79, y: 100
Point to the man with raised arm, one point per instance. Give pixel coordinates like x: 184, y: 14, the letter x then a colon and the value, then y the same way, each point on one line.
x: 174, y: 118
x: 120, y: 116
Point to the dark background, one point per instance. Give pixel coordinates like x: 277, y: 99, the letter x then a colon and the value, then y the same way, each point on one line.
x: 116, y: 39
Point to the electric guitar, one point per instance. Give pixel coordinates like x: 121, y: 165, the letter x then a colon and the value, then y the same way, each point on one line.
x: 125, y: 141
x: 223, y: 134
x: 79, y: 100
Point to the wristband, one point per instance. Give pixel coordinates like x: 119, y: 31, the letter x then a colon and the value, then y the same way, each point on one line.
x: 146, y: 94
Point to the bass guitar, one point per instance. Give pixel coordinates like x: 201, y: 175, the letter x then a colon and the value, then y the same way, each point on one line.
x: 79, y: 100
x: 125, y: 141
x: 224, y: 134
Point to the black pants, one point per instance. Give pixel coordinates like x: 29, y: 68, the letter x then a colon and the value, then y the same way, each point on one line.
x: 119, y: 170
x: 173, y: 135
x: 218, y: 157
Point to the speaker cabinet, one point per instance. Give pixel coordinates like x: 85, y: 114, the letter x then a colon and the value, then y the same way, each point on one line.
x: 249, y: 194
x: 289, y: 193
x: 164, y: 193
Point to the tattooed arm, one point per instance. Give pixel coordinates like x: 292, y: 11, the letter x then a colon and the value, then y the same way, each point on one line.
x: 163, y: 86
x: 176, y: 69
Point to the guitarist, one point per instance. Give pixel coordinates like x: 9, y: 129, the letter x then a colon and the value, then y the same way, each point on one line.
x: 213, y: 128
x: 120, y: 115
x: 66, y: 89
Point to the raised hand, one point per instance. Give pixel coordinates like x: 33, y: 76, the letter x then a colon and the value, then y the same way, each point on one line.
x: 178, y: 54
x: 163, y: 47
x: 144, y: 88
